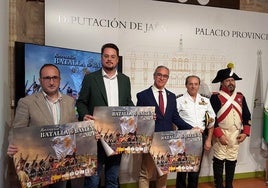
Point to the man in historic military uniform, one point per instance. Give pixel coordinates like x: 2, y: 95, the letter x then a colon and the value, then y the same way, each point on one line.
x: 232, y: 125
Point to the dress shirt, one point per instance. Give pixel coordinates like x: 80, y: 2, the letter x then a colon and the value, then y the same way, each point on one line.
x: 193, y: 112
x: 156, y: 96
x: 54, y: 107
x: 111, y: 87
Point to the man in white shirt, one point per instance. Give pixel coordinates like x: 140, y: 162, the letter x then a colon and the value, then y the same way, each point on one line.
x: 195, y: 110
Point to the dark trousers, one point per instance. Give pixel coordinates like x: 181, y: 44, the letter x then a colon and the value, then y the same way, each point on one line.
x: 58, y: 185
x: 111, y: 166
x: 192, y: 179
x: 218, y: 166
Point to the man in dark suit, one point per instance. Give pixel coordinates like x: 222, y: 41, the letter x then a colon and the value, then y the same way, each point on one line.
x: 47, y: 107
x: 165, y: 118
x: 105, y: 87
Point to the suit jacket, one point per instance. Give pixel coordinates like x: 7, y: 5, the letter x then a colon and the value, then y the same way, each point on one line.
x: 163, y: 122
x: 32, y: 110
x: 93, y: 93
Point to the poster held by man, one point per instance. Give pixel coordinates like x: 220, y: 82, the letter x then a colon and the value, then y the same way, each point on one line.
x: 177, y: 151
x: 53, y: 153
x: 125, y: 129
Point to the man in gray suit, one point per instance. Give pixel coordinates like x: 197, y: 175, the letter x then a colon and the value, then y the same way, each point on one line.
x: 105, y: 87
x: 47, y: 107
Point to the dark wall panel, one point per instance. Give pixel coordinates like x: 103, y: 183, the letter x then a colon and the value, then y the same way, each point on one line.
x: 232, y: 4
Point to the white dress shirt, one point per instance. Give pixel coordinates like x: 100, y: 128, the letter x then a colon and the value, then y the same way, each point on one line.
x: 111, y: 87
x: 54, y: 107
x: 156, y: 96
x: 193, y: 112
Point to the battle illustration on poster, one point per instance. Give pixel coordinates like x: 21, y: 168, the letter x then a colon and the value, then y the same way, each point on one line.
x: 177, y: 151
x: 53, y: 153
x: 125, y: 129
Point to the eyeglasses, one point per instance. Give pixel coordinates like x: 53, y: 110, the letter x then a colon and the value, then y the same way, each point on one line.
x: 49, y: 78
x: 106, y: 56
x: 159, y: 75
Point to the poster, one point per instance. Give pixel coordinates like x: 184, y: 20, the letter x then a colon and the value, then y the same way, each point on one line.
x: 48, y: 154
x: 177, y: 151
x: 125, y: 129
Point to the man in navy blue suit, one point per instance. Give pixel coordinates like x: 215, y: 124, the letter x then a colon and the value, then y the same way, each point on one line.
x: 164, y: 120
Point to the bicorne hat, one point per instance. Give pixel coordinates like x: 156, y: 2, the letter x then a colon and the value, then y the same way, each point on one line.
x: 226, y: 73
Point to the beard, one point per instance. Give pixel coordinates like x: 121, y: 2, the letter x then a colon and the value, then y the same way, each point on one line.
x: 231, y: 88
x: 109, y: 68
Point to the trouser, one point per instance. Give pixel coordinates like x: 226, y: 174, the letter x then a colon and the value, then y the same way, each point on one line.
x: 218, y: 172
x: 192, y: 179
x: 229, y: 173
x: 58, y: 185
x: 147, y: 171
x: 112, y: 167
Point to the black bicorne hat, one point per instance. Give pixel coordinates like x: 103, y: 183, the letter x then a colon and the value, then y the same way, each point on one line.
x: 226, y: 73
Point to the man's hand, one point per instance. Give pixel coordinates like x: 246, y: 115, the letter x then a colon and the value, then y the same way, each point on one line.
x: 241, y: 137
x: 154, y: 116
x: 12, y: 150
x: 207, y: 145
x: 223, y: 140
x: 198, y: 129
x: 88, y: 117
x: 97, y: 135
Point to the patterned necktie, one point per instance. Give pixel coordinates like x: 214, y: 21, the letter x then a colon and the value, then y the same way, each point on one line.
x: 161, y: 102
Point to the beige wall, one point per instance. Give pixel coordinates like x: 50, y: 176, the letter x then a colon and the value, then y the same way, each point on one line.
x: 27, y: 23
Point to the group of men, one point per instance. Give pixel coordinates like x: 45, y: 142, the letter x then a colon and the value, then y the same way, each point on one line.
x: 229, y: 117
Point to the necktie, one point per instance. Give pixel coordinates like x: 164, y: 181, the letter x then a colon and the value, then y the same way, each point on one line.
x: 161, y: 102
